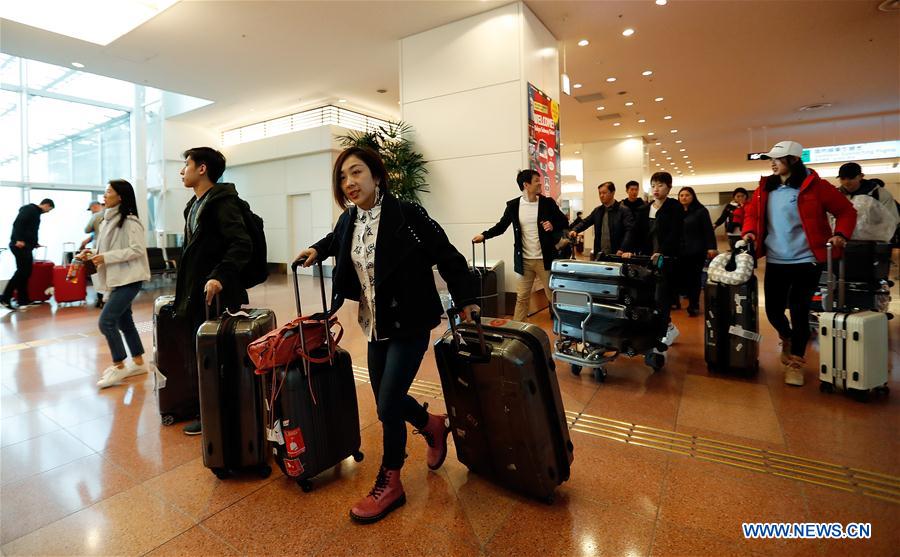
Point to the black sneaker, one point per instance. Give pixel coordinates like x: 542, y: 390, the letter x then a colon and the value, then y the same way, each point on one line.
x: 7, y: 303
x: 193, y: 428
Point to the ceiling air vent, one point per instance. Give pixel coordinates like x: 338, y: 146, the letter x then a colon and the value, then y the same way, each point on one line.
x: 812, y: 107
x: 613, y: 116
x: 590, y: 98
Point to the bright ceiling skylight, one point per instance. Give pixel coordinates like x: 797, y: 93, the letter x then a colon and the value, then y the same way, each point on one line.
x: 95, y: 21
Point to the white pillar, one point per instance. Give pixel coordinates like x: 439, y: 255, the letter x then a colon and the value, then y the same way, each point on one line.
x: 464, y: 89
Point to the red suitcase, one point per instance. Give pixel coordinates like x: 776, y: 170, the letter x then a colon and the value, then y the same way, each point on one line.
x: 67, y: 292
x: 40, y: 281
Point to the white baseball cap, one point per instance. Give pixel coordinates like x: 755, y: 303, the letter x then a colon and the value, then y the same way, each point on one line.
x: 783, y: 149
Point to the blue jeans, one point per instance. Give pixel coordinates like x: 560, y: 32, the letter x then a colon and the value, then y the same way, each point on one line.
x: 115, y: 317
x: 393, y: 365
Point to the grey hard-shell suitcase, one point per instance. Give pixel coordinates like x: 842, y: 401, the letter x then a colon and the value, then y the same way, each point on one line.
x: 231, y: 394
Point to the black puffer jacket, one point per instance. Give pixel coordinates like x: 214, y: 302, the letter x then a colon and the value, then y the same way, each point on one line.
x: 698, y: 235
x: 218, y: 249
x: 408, y: 245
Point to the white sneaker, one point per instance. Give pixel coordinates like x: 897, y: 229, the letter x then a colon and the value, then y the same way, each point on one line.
x: 112, y: 376
x: 671, y: 334
x: 134, y: 369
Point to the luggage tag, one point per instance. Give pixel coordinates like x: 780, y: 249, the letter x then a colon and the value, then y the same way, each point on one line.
x: 739, y: 331
x: 293, y: 467
x: 293, y: 440
x: 738, y: 308
x: 159, y: 380
x: 274, y: 434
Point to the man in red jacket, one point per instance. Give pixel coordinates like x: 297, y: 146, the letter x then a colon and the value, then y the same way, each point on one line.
x: 788, y: 217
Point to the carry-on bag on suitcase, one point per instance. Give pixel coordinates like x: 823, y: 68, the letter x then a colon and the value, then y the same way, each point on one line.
x: 731, y: 325
x: 504, y: 404
x: 488, y: 298
x: 69, y: 283
x: 853, y: 346
x: 176, y: 383
x: 231, y: 394
x: 312, y: 412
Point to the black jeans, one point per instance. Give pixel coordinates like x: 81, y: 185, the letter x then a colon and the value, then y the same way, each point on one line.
x: 690, y: 268
x: 791, y: 287
x: 19, y: 280
x: 393, y: 365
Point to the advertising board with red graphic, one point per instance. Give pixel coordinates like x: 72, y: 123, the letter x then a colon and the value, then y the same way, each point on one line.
x: 543, y: 140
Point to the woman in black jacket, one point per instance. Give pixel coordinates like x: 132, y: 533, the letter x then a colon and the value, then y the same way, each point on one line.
x: 384, y: 251
x: 698, y: 243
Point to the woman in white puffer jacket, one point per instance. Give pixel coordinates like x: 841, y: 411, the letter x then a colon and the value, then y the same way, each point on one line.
x: 121, y: 261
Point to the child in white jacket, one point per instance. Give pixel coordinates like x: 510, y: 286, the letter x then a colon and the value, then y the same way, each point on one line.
x: 121, y: 261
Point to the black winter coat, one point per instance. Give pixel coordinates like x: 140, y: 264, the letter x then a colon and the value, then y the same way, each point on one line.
x: 548, y: 210
x: 408, y: 245
x: 667, y: 229
x: 218, y: 249
x: 25, y: 227
x: 699, y: 235
x: 621, y: 226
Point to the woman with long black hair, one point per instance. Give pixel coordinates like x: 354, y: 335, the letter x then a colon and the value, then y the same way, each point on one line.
x: 698, y: 243
x: 121, y: 261
x: 384, y: 250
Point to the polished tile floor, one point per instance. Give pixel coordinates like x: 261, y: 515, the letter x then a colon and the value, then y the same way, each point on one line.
x: 665, y: 464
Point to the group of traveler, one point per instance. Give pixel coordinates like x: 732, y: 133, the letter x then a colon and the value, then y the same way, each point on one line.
x: 385, y: 249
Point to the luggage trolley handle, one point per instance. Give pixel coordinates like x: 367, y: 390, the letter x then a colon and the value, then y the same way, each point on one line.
x: 841, y: 282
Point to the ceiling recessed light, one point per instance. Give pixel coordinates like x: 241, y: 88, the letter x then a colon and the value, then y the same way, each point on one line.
x: 601, y: 108
x: 652, y: 160
x: 78, y: 64
x: 342, y: 100
x: 617, y: 124
x: 629, y: 136
x: 662, y: 2
x: 658, y: 99
x: 667, y: 117
x: 677, y: 141
x: 577, y: 152
x: 673, y: 131
x: 657, y: 164
x: 651, y: 133
x: 629, y: 103
x: 584, y: 42
x: 669, y: 158
x: 610, y: 79
x: 684, y: 156
x: 647, y: 72
x: 641, y: 121
x: 658, y: 143
x: 577, y: 86
x: 663, y: 152
x: 628, y: 32
x: 682, y: 149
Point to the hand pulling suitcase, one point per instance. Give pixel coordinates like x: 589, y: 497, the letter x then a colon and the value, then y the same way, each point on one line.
x: 316, y: 423
x: 231, y: 394
x: 731, y: 327
x: 504, y: 404
x: 176, y: 386
x: 67, y: 291
x: 853, y: 347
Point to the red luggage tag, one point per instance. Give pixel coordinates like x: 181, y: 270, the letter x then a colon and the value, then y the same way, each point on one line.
x: 293, y: 440
x: 293, y: 467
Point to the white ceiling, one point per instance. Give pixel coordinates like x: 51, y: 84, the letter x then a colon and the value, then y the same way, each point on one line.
x: 732, y: 73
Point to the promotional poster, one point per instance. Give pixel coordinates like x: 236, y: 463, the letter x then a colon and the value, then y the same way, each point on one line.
x: 543, y: 140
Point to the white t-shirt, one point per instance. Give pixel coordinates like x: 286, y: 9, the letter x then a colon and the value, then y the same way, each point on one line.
x: 528, y: 222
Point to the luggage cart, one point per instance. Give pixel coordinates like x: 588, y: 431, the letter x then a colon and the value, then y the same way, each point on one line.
x: 581, y: 353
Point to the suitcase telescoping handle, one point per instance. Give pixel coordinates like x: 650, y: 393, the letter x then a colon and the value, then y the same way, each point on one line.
x: 452, y: 315
x: 483, y: 256
x: 297, y: 264
x: 218, y: 307
x: 829, y: 284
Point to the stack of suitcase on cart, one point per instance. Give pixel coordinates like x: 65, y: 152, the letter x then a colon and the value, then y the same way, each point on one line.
x: 866, y: 283
x: 602, y: 309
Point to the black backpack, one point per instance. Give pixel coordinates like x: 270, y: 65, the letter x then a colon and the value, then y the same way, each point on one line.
x: 256, y: 270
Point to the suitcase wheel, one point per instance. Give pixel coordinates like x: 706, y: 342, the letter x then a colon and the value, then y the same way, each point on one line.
x: 168, y: 419
x: 264, y: 471
x: 884, y: 389
x: 826, y: 387
x: 600, y: 374
x: 358, y: 456
x: 655, y: 361
x: 576, y: 370
x: 305, y: 485
x: 221, y: 473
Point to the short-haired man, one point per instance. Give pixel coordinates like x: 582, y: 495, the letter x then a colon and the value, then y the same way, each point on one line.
x: 854, y: 183
x: 22, y: 241
x: 633, y: 201
x: 613, y: 223
x: 216, y: 243
x: 533, y: 218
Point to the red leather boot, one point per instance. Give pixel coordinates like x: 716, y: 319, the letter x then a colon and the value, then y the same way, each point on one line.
x: 386, y: 495
x: 435, y: 434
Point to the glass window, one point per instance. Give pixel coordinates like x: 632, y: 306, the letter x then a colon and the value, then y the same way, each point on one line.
x: 10, y: 201
x: 95, y: 87
x: 41, y: 75
x: 86, y: 159
x: 10, y: 137
x: 63, y: 224
x: 116, y: 151
x: 9, y: 70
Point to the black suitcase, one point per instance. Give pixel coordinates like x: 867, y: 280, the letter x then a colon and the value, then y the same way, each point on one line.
x: 866, y: 261
x: 178, y: 395
x: 231, y: 394
x: 731, y: 327
x: 316, y: 413
x: 504, y: 404
x: 488, y: 297
x: 628, y: 337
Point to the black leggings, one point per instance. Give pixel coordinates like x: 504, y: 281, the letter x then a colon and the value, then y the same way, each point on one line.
x: 791, y: 287
x: 690, y: 269
x: 393, y: 365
